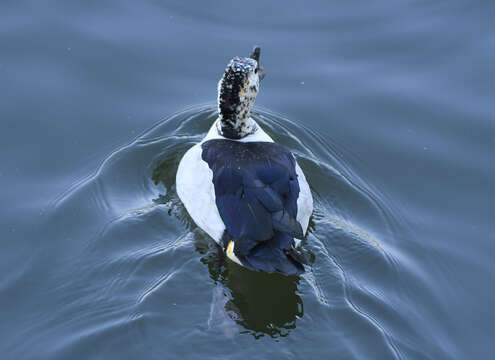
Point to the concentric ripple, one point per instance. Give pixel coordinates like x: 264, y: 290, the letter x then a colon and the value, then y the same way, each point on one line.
x: 137, y: 257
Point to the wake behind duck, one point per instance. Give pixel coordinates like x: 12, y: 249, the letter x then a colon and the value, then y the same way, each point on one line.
x: 244, y: 190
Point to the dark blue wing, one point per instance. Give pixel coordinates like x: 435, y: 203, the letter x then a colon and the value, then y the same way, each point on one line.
x: 256, y: 191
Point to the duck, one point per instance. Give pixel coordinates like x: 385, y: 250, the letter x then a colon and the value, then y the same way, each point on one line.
x: 247, y: 192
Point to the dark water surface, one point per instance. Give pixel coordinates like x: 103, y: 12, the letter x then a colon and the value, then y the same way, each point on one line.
x: 388, y: 108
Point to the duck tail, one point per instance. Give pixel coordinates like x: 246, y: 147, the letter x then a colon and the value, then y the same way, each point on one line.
x: 276, y: 255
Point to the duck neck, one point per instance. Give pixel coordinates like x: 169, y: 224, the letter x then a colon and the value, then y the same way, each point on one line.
x: 236, y: 125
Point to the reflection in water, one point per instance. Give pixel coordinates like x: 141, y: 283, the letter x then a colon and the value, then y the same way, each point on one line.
x: 262, y: 303
x: 268, y: 303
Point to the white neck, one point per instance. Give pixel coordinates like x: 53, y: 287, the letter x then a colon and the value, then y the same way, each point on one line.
x: 258, y: 135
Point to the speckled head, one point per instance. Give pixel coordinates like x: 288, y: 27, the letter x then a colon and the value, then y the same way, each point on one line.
x: 237, y: 90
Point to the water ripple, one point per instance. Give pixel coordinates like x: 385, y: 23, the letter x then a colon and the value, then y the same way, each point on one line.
x: 143, y: 242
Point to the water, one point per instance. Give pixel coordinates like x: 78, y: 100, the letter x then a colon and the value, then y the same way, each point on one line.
x: 388, y: 109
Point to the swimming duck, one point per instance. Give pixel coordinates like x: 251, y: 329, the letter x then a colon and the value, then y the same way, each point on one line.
x: 244, y: 190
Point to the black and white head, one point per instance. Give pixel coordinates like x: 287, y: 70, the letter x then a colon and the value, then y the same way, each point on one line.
x: 237, y: 90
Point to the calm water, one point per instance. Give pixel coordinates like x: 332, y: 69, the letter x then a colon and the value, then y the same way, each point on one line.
x: 388, y: 108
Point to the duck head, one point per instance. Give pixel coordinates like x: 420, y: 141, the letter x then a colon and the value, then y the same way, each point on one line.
x: 237, y: 90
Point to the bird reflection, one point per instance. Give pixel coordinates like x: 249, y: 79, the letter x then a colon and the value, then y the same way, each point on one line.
x: 261, y: 303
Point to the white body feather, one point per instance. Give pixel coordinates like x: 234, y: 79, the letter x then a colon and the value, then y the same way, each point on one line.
x: 197, y: 193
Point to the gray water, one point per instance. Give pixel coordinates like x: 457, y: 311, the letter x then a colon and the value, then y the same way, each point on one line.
x: 388, y: 107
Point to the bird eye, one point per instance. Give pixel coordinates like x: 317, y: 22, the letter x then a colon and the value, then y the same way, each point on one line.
x: 256, y: 70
